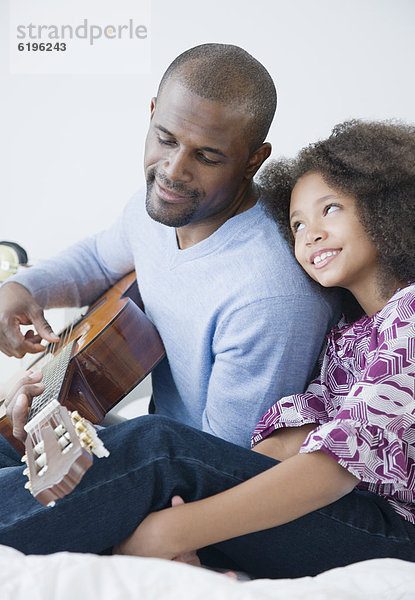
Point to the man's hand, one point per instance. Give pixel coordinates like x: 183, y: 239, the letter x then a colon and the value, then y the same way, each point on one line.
x: 19, y: 400
x: 18, y: 307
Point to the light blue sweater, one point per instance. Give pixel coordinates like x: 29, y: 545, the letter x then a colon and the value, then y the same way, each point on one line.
x: 241, y: 323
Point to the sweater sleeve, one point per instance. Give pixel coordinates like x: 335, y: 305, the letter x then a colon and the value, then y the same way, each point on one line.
x: 82, y: 272
x: 261, y: 354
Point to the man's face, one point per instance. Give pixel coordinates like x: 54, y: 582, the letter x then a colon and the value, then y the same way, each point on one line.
x: 196, y: 156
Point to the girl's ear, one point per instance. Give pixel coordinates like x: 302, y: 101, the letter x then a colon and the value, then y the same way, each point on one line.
x: 256, y: 160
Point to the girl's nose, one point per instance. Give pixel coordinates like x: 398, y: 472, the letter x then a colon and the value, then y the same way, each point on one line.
x: 315, y: 234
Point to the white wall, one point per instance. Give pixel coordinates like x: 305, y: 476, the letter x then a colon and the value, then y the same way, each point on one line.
x: 71, y: 147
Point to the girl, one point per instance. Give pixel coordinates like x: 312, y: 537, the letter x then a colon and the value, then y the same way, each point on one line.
x: 331, y: 479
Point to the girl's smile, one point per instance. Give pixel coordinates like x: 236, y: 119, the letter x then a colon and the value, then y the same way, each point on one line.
x: 330, y: 242
x: 322, y: 257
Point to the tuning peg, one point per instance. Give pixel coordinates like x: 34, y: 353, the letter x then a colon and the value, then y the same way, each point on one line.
x: 41, y: 461
x: 80, y: 427
x: 64, y: 442
x: 28, y: 486
x: 60, y: 430
x: 84, y: 427
x: 26, y: 472
x: 98, y: 447
x: 42, y: 471
x: 40, y: 447
x: 24, y: 458
x: 85, y: 438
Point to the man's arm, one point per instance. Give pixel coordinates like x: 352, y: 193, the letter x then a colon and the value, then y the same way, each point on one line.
x: 264, y: 352
x: 74, y: 277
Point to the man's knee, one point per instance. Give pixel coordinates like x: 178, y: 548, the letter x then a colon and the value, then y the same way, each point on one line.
x: 144, y: 432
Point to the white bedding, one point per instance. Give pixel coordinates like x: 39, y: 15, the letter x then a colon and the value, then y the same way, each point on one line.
x: 65, y: 576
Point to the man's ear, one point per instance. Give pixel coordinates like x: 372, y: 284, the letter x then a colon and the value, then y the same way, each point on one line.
x: 256, y: 160
x: 152, y: 107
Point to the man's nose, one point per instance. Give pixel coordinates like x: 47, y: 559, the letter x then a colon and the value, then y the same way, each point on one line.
x: 176, y: 166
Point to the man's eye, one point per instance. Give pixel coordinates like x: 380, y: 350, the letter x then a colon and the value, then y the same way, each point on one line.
x: 165, y: 142
x: 207, y: 160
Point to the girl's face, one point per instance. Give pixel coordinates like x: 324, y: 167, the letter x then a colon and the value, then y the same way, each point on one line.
x: 330, y: 242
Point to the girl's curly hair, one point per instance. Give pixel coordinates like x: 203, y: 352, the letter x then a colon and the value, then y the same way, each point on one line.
x: 375, y: 163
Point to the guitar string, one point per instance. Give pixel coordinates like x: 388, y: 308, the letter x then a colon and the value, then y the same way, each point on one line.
x: 60, y: 359
x: 53, y: 371
x: 54, y: 378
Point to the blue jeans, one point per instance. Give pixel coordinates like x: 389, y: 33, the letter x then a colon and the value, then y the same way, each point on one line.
x: 153, y: 458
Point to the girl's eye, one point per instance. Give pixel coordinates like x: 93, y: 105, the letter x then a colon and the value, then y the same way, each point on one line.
x: 331, y: 208
x: 296, y: 227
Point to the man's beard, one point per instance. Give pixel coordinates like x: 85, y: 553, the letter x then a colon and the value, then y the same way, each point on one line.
x: 172, y: 215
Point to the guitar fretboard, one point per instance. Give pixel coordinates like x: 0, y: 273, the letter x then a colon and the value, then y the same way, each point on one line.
x: 53, y: 376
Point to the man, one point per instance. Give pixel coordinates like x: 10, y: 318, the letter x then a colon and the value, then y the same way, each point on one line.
x: 218, y: 281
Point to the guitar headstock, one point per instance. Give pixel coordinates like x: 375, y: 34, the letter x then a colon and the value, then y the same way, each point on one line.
x: 58, y: 452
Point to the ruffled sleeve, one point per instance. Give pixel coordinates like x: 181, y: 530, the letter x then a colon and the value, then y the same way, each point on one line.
x: 373, y: 433
x: 372, y: 454
x: 293, y: 411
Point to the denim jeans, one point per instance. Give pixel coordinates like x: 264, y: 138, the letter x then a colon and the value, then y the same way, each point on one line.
x: 153, y: 458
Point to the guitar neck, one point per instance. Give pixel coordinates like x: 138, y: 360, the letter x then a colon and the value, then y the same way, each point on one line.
x: 53, y: 375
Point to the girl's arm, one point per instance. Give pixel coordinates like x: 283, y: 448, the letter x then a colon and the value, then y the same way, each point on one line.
x: 284, y: 442
x: 291, y: 489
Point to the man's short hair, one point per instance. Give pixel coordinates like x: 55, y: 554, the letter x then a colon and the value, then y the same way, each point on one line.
x: 228, y: 74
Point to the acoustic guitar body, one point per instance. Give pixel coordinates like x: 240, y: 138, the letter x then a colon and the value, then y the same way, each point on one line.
x: 114, y: 346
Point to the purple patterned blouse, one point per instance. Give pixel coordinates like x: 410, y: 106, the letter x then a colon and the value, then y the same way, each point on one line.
x: 363, y: 402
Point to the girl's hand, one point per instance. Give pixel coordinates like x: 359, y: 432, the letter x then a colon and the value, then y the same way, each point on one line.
x: 190, y: 558
x: 159, y: 535
x: 141, y: 542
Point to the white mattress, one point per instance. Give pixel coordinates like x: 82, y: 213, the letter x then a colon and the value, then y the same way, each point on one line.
x: 65, y: 576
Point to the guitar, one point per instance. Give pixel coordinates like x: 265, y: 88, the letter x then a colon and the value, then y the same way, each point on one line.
x: 97, y: 362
